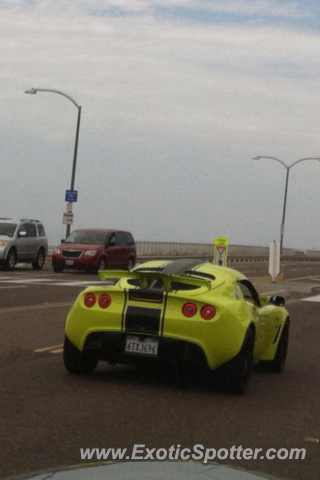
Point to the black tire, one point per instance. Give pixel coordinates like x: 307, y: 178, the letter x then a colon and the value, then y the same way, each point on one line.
x: 77, y: 362
x: 57, y: 269
x: 130, y: 264
x: 102, y: 264
x: 39, y: 262
x: 277, y: 364
x: 234, y: 375
x: 11, y: 260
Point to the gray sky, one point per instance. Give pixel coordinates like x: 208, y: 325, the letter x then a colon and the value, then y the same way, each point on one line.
x: 177, y: 98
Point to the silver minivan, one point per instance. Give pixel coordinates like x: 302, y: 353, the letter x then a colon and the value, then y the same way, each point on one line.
x: 22, y: 241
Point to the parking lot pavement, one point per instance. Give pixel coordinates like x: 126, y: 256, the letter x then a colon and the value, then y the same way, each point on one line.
x: 46, y: 415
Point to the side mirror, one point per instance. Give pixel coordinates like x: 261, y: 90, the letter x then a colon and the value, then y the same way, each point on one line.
x: 278, y: 301
x: 22, y: 234
x: 112, y: 243
x: 62, y: 240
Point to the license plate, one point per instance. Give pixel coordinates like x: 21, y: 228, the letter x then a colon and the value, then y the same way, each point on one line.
x: 69, y: 262
x: 142, y: 346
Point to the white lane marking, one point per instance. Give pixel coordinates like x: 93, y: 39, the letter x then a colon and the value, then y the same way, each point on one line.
x: 312, y: 299
x: 35, y: 307
x: 39, y: 350
x: 14, y: 286
x: 275, y: 291
x: 76, y: 284
x: 251, y: 271
x: 315, y: 277
x: 55, y: 283
x: 28, y: 280
x: 293, y: 269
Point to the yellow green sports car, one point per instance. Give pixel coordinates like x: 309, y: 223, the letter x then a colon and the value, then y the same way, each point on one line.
x: 184, y: 311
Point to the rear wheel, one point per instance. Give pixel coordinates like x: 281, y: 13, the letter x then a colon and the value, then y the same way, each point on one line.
x: 39, y: 262
x: 77, y: 362
x: 11, y: 260
x: 277, y: 364
x: 234, y: 375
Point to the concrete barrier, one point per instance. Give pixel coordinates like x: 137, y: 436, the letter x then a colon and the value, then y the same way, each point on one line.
x: 236, y: 253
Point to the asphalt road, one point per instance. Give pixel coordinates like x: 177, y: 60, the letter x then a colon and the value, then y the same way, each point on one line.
x: 46, y: 415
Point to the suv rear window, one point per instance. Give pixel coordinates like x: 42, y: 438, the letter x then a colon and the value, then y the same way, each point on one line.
x: 31, y: 230
x: 7, y: 229
x: 41, y: 230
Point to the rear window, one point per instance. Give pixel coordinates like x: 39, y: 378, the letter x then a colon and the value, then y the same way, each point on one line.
x: 80, y: 236
x: 121, y: 239
x: 7, y: 229
x: 41, y: 231
x: 31, y: 230
x: 129, y: 239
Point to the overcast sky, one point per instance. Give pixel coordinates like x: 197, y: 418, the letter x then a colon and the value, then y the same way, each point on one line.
x: 177, y: 97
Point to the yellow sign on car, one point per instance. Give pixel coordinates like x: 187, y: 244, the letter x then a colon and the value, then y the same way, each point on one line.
x: 220, y: 251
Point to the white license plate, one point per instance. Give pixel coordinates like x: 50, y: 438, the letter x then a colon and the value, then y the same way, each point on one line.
x: 69, y: 262
x: 142, y: 346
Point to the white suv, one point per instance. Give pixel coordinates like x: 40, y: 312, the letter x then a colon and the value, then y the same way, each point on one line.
x: 22, y: 241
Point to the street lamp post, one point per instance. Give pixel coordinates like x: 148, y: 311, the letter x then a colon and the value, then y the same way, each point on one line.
x: 74, y: 164
x: 288, y: 168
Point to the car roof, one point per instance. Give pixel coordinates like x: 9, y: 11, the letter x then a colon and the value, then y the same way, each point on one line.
x: 9, y: 220
x: 102, y: 230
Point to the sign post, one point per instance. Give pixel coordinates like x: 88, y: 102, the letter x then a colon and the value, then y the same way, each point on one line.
x: 274, y: 260
x: 220, y: 251
x: 70, y: 197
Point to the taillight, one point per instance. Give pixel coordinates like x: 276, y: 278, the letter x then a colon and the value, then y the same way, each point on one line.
x: 89, y: 300
x: 104, y: 300
x: 189, y: 309
x: 208, y: 312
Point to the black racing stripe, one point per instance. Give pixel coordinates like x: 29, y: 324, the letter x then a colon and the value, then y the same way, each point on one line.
x: 277, y: 334
x: 179, y: 266
x: 163, y: 314
x: 124, y: 309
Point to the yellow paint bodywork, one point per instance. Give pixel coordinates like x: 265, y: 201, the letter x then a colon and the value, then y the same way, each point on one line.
x: 220, y: 338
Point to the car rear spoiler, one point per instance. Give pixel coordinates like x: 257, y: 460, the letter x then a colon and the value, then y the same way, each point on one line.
x: 167, y: 279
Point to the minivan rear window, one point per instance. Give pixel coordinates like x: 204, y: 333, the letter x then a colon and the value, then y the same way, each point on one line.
x: 129, y: 238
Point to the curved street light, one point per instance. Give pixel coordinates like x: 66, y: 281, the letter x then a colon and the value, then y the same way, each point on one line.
x: 33, y: 91
x: 287, y: 167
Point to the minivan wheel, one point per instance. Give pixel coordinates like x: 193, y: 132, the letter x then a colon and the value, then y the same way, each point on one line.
x: 39, y: 262
x: 102, y: 265
x: 10, y: 260
x: 130, y: 264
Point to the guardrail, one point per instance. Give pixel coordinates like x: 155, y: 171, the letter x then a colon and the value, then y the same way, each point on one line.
x: 236, y: 253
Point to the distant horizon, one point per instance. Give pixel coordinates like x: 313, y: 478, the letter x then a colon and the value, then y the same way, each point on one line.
x: 176, y: 101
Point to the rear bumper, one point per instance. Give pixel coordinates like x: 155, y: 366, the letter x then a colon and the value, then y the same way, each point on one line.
x: 110, y: 346
x: 83, y: 262
x: 3, y: 253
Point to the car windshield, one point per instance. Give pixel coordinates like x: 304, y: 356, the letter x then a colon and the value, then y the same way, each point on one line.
x: 7, y: 229
x: 80, y: 236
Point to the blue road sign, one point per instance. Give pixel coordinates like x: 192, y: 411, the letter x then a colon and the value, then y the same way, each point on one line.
x: 71, y: 195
